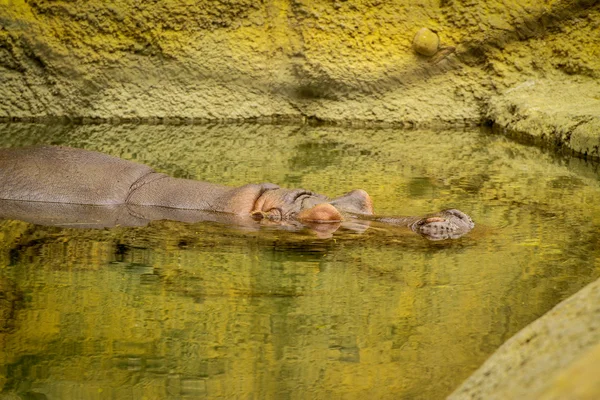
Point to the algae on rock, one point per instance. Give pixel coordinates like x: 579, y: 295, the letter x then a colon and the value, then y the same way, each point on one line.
x: 339, y: 62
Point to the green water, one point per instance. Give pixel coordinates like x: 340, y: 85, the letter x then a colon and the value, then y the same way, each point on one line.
x: 176, y: 311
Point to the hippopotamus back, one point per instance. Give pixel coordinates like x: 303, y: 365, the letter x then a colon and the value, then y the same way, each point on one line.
x: 66, y: 175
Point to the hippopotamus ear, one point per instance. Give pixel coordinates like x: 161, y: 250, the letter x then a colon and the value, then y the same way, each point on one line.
x: 323, y: 212
x: 357, y: 201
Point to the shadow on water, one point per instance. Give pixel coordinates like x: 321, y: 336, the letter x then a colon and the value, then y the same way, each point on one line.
x: 205, y: 310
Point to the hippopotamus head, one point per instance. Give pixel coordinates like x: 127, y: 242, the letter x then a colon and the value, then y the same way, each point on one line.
x: 280, y: 204
x: 298, y: 206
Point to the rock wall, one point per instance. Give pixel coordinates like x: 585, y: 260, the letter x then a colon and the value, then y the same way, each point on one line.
x: 335, y: 61
x: 556, y: 357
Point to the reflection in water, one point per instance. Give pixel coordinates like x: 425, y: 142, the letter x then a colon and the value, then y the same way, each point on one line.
x: 185, y: 311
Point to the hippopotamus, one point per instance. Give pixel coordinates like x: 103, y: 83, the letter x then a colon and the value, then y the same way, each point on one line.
x: 37, y: 183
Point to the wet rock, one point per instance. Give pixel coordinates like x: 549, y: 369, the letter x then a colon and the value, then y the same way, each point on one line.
x: 561, y: 114
x: 335, y: 62
x: 555, y: 357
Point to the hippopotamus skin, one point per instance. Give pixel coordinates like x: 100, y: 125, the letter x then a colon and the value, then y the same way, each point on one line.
x: 57, y: 185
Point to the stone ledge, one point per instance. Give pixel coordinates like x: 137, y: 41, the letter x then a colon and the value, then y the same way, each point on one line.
x: 545, y: 358
x: 560, y: 112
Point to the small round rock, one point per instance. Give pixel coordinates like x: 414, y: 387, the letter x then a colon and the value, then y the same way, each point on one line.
x: 426, y: 42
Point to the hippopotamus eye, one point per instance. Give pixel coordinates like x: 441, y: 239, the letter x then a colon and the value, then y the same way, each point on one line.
x: 301, y: 194
x: 305, y: 193
x: 301, y: 197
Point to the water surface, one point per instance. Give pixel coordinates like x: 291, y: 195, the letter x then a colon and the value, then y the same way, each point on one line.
x: 188, y: 311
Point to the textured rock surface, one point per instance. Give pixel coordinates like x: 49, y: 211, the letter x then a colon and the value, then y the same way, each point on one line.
x: 339, y: 61
x: 556, y: 357
x: 564, y: 113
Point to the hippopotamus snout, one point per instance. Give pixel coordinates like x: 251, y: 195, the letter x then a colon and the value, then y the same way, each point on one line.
x: 280, y: 204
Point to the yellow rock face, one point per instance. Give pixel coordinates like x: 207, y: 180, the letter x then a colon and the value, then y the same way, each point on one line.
x: 555, y: 357
x: 340, y: 61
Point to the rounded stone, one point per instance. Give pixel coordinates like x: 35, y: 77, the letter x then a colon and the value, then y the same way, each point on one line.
x: 426, y: 42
